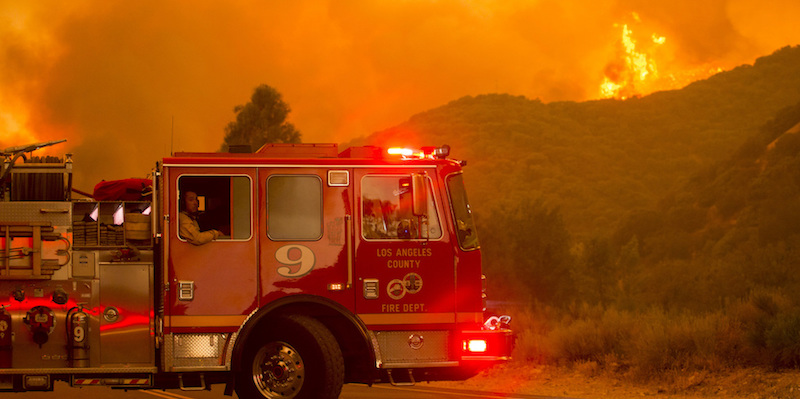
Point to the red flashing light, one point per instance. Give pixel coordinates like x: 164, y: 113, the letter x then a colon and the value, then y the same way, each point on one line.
x: 406, y: 152
x: 423, y: 153
x: 475, y: 345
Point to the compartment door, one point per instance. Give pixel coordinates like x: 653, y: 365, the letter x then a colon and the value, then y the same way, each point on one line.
x: 126, y: 305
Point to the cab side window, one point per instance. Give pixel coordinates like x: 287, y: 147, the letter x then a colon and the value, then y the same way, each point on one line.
x: 386, y: 211
x: 224, y: 204
x: 294, y: 207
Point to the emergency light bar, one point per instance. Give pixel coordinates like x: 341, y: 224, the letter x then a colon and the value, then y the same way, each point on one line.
x: 405, y: 152
x: 425, y: 152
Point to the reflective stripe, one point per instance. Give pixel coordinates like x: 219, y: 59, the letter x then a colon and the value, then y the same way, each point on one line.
x: 469, y: 317
x: 368, y: 318
x: 298, y: 165
x: 87, y: 382
x: 136, y: 381
x: 421, y: 318
x: 111, y: 381
x: 205, y: 321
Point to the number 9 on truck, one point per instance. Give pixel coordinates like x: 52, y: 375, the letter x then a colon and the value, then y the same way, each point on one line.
x: 294, y: 255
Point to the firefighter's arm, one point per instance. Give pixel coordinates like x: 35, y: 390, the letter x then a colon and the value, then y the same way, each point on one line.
x: 190, y: 231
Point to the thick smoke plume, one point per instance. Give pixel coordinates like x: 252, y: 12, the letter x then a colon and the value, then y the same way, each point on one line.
x: 127, y: 82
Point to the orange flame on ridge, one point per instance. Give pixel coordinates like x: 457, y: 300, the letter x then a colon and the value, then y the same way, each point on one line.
x: 624, y: 78
x: 634, y: 72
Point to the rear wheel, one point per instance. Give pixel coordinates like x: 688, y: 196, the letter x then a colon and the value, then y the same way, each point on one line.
x: 294, y: 357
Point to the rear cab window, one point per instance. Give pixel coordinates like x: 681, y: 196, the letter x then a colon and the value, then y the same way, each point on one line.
x: 225, y: 204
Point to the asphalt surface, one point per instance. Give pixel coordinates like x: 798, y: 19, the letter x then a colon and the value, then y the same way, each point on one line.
x: 350, y: 391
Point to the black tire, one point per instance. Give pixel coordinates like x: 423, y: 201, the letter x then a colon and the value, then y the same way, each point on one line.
x: 293, y: 357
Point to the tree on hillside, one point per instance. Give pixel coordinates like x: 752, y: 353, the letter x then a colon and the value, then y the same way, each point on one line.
x: 261, y: 121
x: 527, y: 247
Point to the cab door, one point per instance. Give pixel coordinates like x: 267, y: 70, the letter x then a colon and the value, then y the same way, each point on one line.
x: 404, y: 262
x: 305, y: 218
x: 213, y: 284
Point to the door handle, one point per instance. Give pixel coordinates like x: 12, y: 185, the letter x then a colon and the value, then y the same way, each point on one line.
x: 348, y: 230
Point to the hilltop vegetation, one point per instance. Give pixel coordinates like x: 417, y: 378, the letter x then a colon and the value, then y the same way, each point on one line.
x: 681, y: 205
x: 597, y: 160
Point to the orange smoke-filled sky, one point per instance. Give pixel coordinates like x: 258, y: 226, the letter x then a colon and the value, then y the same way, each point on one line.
x: 112, y: 76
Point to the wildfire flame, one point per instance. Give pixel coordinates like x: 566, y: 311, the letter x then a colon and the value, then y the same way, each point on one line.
x: 635, y: 72
x: 624, y: 77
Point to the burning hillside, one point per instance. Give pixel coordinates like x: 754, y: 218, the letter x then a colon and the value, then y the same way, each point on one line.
x: 111, y: 77
x: 634, y: 71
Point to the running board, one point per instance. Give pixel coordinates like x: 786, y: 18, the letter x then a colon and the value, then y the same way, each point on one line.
x: 410, y: 383
x: 201, y: 387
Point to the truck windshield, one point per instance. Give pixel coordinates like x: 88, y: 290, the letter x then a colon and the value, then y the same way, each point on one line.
x: 462, y: 215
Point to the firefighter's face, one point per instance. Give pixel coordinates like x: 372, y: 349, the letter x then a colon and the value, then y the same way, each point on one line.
x: 190, y: 201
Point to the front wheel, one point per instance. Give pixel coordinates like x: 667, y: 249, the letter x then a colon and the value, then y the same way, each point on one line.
x: 293, y: 357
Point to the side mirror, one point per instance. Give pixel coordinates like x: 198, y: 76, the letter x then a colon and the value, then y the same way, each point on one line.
x: 419, y: 190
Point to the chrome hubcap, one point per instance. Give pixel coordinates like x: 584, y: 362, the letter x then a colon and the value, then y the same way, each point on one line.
x: 278, y: 370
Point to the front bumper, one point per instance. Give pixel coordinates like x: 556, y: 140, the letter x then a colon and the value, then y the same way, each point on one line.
x: 486, y: 346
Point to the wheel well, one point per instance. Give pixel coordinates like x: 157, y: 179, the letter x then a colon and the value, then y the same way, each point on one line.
x: 349, y: 331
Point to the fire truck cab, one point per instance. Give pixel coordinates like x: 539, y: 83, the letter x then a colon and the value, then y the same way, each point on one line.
x: 281, y: 273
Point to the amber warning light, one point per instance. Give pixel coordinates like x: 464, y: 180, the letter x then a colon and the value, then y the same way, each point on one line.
x: 406, y: 152
x: 422, y: 153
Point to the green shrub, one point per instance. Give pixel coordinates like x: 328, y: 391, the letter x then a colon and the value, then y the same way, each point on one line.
x: 592, y: 338
x: 782, y: 340
x: 660, y: 343
x: 760, y: 330
x: 531, y: 325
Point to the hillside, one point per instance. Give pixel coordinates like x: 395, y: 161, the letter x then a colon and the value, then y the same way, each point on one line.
x: 656, y: 236
x: 733, y: 227
x: 596, y: 161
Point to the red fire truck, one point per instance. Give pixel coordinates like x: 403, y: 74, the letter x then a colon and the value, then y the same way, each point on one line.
x: 313, y: 268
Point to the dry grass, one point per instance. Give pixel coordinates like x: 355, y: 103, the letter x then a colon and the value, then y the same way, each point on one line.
x: 749, y: 348
x: 589, y: 380
x: 760, y: 331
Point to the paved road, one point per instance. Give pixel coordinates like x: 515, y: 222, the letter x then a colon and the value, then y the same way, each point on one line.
x: 422, y: 391
x: 350, y: 391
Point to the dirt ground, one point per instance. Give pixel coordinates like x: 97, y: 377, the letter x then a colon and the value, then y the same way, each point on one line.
x: 588, y: 381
